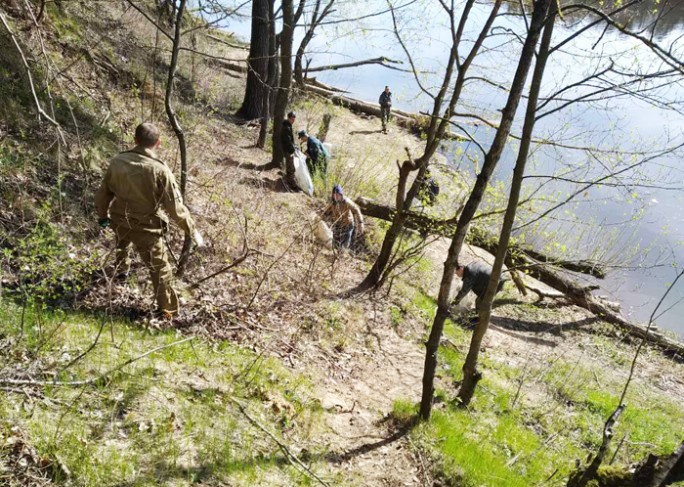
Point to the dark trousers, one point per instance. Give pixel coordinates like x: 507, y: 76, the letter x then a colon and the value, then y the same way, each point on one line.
x: 478, y: 300
x: 343, y: 236
x: 385, y: 115
x: 290, y: 171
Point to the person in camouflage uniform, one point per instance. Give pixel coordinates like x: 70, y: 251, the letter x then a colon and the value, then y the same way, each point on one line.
x: 136, y: 188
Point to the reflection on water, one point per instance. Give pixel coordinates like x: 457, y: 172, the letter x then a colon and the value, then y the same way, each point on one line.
x: 650, y: 16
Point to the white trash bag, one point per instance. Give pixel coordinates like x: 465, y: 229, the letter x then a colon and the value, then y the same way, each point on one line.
x: 322, y: 231
x: 302, y: 176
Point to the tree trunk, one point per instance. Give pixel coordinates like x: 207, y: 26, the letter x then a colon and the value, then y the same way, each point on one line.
x: 257, y: 89
x: 491, y: 159
x: 272, y: 74
x: 654, y: 471
x: 438, y: 123
x: 298, y: 71
x: 283, y: 96
x: 324, y: 127
x: 470, y: 373
x: 178, y: 130
x: 446, y: 228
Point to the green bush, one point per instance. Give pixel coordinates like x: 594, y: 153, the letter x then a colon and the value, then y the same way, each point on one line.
x: 47, y: 270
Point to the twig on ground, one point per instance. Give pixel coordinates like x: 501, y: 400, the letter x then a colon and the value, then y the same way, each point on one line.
x: 246, y: 253
x: 77, y: 383
x: 291, y: 457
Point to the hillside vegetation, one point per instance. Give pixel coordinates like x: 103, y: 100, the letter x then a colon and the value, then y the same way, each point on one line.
x: 271, y: 375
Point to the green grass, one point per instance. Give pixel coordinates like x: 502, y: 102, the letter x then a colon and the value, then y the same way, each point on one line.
x: 496, y: 442
x: 167, y: 419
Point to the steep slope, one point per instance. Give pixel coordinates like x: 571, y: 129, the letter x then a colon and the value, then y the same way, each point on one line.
x: 320, y: 370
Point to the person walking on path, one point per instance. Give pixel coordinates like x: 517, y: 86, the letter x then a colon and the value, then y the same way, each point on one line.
x: 346, y: 218
x: 316, y: 153
x: 288, y: 144
x: 135, y: 188
x: 385, y: 107
x: 475, y: 278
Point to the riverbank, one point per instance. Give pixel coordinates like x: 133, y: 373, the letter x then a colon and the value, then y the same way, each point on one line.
x: 327, y: 382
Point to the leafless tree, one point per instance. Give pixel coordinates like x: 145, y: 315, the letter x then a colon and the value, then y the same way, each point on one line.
x: 538, y: 18
x: 471, y: 374
x: 175, y: 124
x: 536, y: 110
x: 317, y: 16
x: 283, y: 94
x: 444, y: 104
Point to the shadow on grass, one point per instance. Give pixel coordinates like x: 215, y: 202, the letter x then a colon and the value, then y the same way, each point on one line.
x: 208, y: 471
x: 365, y: 132
x: 541, y: 326
x: 230, y: 162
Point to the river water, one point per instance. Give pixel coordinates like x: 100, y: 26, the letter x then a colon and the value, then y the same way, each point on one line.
x: 635, y: 221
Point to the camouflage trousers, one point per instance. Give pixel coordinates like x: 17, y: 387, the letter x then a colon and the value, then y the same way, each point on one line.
x: 154, y: 254
x: 385, y: 116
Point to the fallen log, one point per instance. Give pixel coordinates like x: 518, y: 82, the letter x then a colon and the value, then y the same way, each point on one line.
x: 320, y: 84
x: 229, y: 44
x: 410, y: 121
x: 581, y: 296
x: 229, y: 66
x: 423, y: 223
x: 357, y: 105
x: 518, y: 258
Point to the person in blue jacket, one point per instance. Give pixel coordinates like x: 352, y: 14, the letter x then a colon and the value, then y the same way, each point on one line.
x: 316, y: 153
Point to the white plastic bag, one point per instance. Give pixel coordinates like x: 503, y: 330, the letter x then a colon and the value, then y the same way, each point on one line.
x: 322, y: 232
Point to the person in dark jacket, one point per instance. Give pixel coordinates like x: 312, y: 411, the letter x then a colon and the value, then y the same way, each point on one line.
x: 475, y: 278
x: 385, y: 107
x: 288, y: 144
x: 429, y: 189
x: 316, y: 153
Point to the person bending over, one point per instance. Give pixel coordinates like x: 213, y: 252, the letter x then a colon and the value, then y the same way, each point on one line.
x: 475, y: 277
x: 346, y: 218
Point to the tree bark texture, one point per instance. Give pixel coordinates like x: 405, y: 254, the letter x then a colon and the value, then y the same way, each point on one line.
x: 473, y: 202
x: 177, y: 129
x: 470, y: 373
x: 257, y: 74
x: 271, y: 80
x: 283, y: 95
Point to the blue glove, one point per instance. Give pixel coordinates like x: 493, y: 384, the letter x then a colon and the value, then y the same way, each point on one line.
x: 104, y: 222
